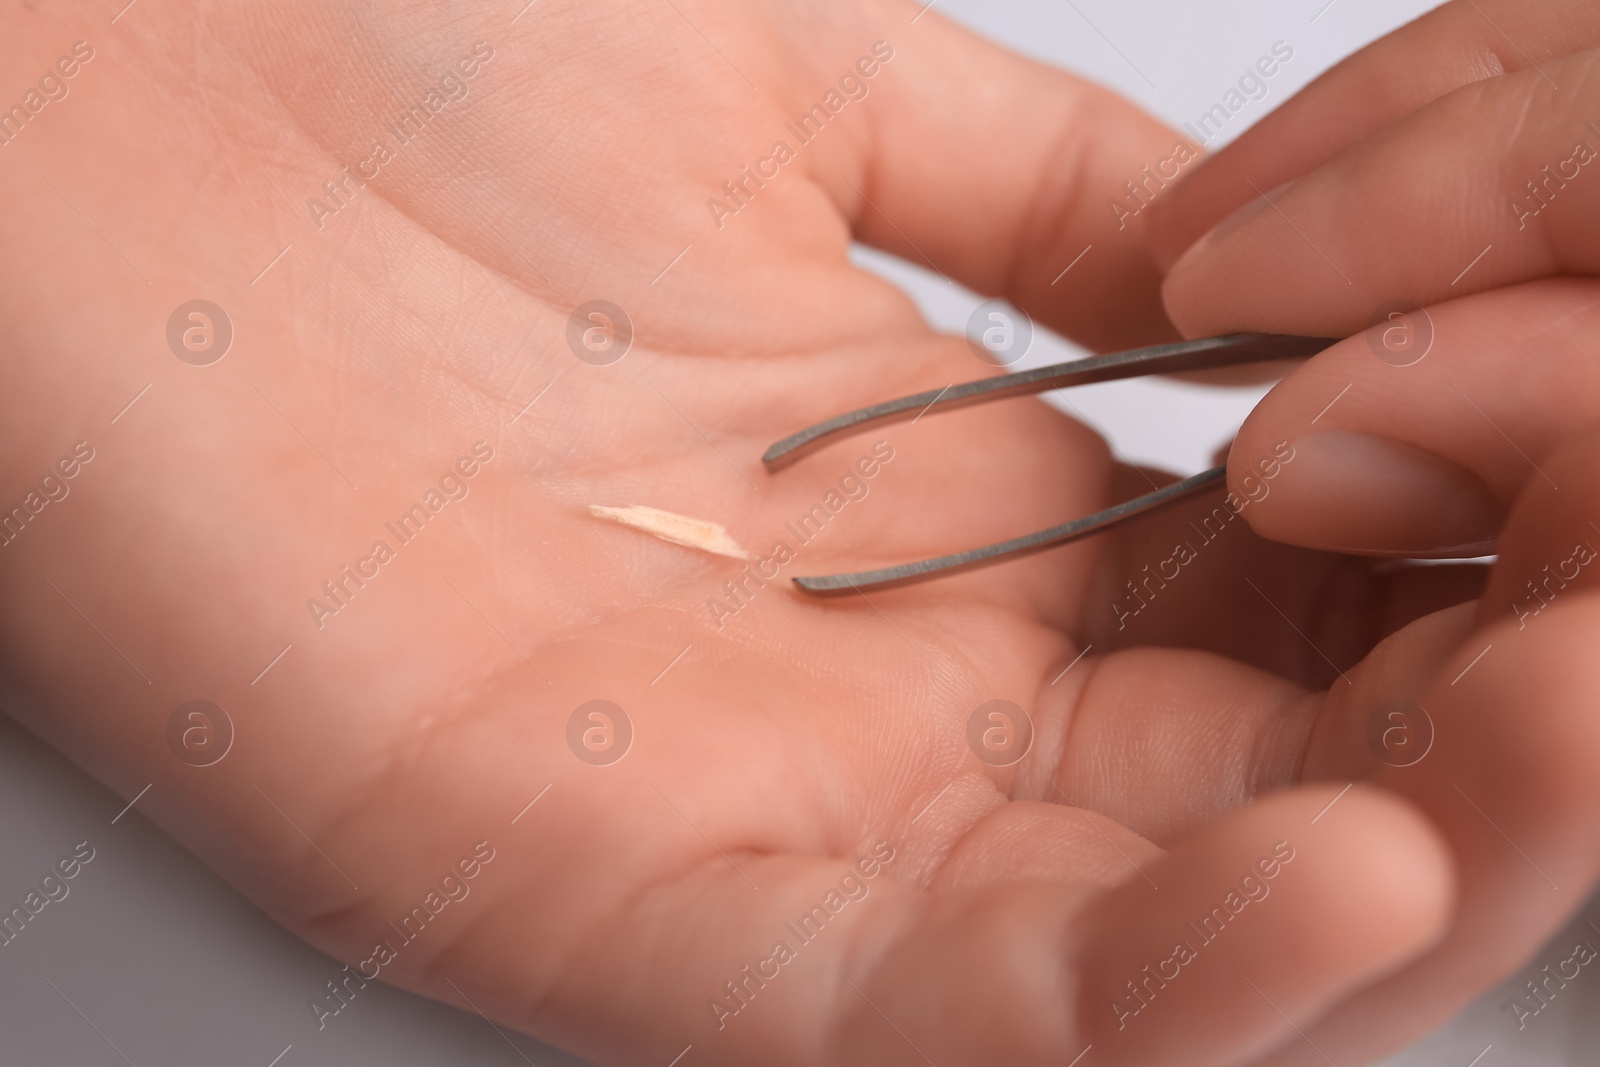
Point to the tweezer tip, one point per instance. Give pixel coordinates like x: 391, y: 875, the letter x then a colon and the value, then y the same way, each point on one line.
x: 825, y: 585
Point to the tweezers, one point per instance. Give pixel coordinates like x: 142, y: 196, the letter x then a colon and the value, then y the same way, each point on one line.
x: 1233, y: 350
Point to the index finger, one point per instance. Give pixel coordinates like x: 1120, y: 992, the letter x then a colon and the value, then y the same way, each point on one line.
x: 1456, y: 45
x: 1482, y: 189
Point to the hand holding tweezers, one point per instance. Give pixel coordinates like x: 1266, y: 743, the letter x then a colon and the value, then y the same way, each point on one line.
x: 1206, y: 354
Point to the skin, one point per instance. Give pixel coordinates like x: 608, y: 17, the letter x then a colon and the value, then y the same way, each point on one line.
x: 775, y: 747
x: 1424, y: 452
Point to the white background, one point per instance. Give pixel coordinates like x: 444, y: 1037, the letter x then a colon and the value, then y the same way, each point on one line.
x: 177, y: 969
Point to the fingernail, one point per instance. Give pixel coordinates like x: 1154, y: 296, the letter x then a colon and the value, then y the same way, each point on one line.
x: 1356, y: 493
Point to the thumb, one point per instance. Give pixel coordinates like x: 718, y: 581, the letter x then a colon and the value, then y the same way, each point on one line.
x: 1001, y: 173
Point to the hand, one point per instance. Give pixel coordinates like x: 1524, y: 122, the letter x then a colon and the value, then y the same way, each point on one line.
x: 389, y: 741
x: 1449, y: 167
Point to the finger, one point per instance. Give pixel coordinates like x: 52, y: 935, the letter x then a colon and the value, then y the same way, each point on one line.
x: 1052, y: 840
x: 1163, y: 741
x: 1506, y: 760
x: 998, y: 172
x: 1484, y: 188
x: 872, y: 966
x: 1196, y: 576
x: 1425, y: 459
x: 666, y: 947
x: 982, y: 976
x: 1258, y: 923
x: 1450, y: 47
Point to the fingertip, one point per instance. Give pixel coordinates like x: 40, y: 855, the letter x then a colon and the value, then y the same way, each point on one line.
x: 1365, y: 494
x: 1409, y: 870
x: 1194, y: 291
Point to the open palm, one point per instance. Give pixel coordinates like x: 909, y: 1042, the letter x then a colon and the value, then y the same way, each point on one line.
x: 365, y: 533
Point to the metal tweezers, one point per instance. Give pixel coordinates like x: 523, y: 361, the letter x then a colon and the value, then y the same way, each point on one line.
x: 1230, y: 351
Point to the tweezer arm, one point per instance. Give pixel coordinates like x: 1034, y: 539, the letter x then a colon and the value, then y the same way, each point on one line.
x: 1162, y: 359
x: 1233, y: 350
x: 1017, y: 547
